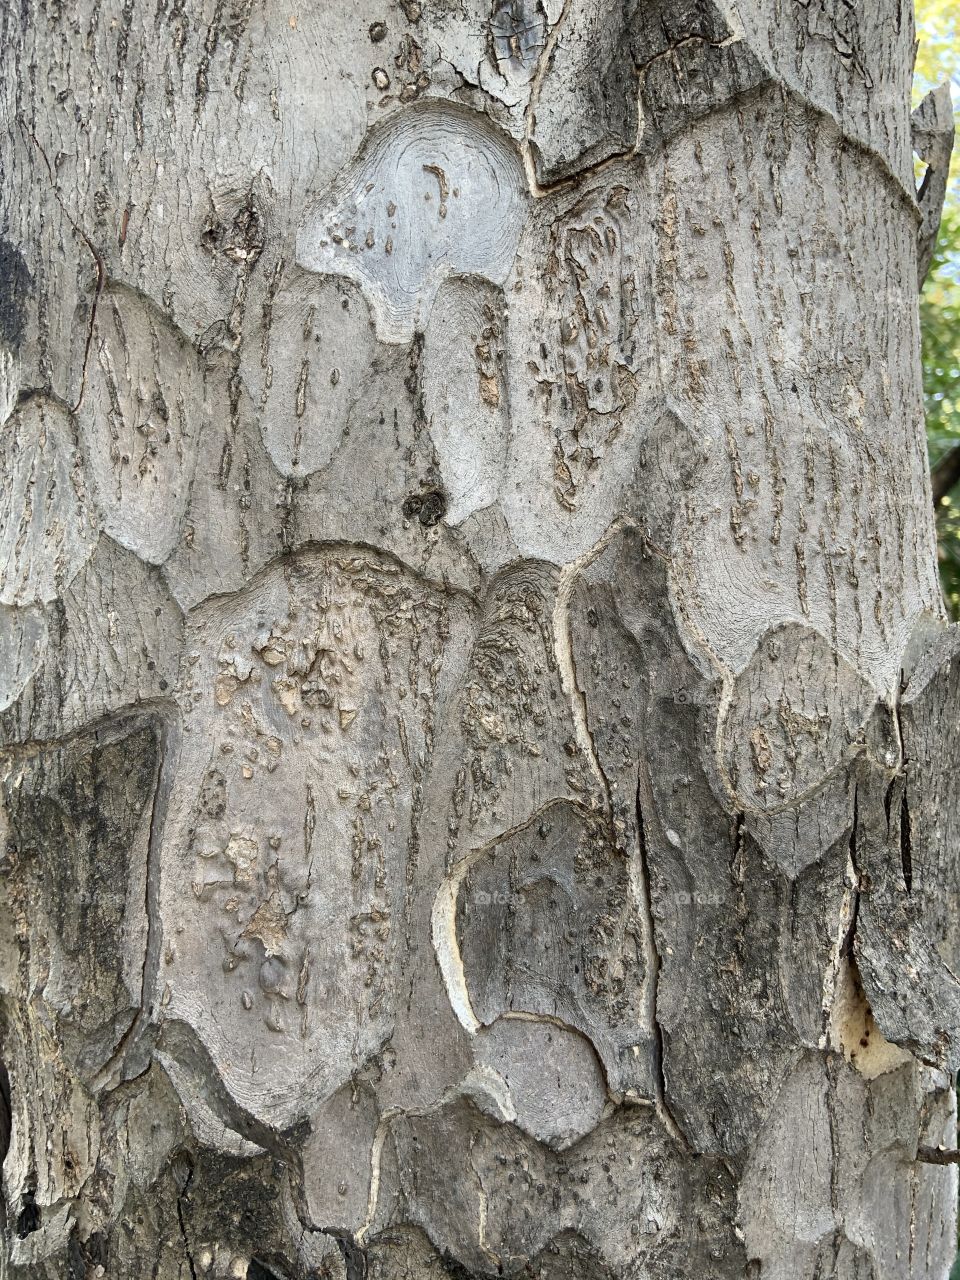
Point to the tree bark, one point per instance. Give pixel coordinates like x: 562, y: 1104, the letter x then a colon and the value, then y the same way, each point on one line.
x: 480, y: 726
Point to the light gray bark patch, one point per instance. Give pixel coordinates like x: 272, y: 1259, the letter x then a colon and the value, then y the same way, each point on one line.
x: 222, y: 542
x: 465, y: 393
x: 793, y: 480
x: 546, y: 925
x: 286, y: 855
x: 922, y: 1013
x: 117, y: 632
x: 359, y: 499
x: 404, y: 1252
x: 932, y: 132
x: 23, y: 643
x: 54, y: 301
x: 337, y: 1158
x: 586, y: 108
x: 394, y: 221
x: 307, y: 354
x: 48, y: 527
x: 140, y: 419
x: 515, y: 748
x: 496, y: 1200
x: 795, y: 1150
x: 584, y: 378
x: 554, y: 1082
x: 853, y: 64
x: 930, y: 802
x: 77, y: 829
x: 878, y: 1219
x: 786, y: 835
x: 693, y: 78
x: 795, y: 712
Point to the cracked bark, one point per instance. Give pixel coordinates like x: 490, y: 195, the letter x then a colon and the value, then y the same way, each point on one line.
x: 478, y: 752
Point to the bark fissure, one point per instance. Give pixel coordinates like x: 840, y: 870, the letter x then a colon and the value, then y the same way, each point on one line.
x: 183, y: 1187
x: 652, y: 978
x: 906, y: 844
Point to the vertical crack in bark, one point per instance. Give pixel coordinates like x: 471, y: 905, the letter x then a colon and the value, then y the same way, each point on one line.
x: 652, y: 956
x: 98, y: 260
x: 529, y: 116
x: 354, y: 1255
x: 736, y: 858
x: 563, y: 647
x: 848, y: 941
x: 183, y: 1186
x: 906, y: 843
x: 830, y: 1094
x: 6, y: 1124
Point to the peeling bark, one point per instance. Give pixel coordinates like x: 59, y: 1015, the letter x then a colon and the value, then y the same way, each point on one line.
x: 478, y: 753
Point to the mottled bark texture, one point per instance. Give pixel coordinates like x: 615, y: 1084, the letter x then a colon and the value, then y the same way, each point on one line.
x: 480, y: 760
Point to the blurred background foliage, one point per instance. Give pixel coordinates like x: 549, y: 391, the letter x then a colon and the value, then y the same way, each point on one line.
x: 938, y: 60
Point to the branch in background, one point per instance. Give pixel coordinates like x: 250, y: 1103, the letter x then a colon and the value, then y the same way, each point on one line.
x: 945, y: 473
x: 937, y: 1155
x: 932, y: 134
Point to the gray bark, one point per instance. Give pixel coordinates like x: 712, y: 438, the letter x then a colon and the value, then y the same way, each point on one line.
x: 479, y: 763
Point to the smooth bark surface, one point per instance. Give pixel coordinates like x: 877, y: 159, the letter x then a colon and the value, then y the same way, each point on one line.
x: 480, y: 757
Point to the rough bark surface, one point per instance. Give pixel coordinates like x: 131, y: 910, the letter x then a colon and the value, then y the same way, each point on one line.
x: 480, y: 767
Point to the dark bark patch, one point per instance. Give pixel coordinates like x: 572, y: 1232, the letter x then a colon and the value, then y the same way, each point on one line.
x: 906, y: 850
x: 257, y: 1270
x: 28, y: 1219
x: 15, y: 283
x: 429, y: 508
x: 354, y: 1258
x: 5, y: 1113
x: 78, y: 817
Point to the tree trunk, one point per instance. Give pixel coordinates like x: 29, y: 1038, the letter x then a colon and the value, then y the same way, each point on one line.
x: 480, y: 767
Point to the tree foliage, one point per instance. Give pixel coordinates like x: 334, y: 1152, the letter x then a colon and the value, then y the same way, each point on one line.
x: 938, y: 59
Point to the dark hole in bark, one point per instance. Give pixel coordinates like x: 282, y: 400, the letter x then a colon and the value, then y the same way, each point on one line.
x: 257, y: 1270
x: 241, y: 242
x: 181, y: 1167
x: 5, y: 1112
x: 906, y: 845
x: 429, y: 508
x: 354, y: 1258
x: 28, y: 1219
x: 456, y: 1269
x: 76, y: 1263
x: 84, y: 1257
